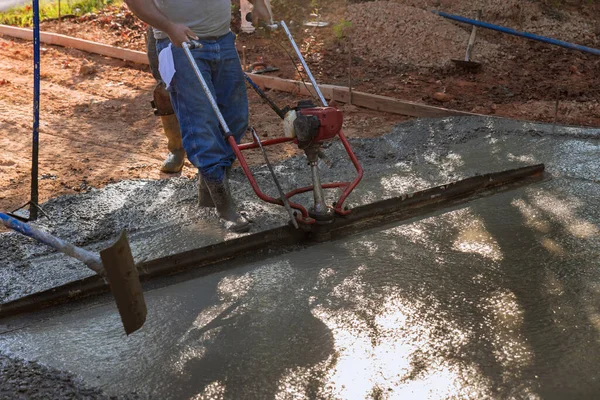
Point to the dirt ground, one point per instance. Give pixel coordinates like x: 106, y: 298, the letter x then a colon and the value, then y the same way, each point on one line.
x: 97, y: 126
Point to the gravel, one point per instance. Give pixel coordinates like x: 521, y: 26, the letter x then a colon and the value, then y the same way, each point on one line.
x: 400, y: 36
x: 30, y: 380
x: 405, y: 34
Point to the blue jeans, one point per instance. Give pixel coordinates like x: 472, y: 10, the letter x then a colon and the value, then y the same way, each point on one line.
x: 203, y: 139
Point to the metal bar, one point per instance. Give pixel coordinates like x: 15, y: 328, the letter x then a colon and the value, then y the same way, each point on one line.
x: 320, y: 206
x: 254, y: 184
x: 262, y: 94
x: 442, y: 194
x: 305, y: 189
x: 525, y: 35
x: 276, y: 241
x: 211, y: 99
x: 359, y: 169
x: 33, y: 210
x: 254, y: 145
x: 306, y: 69
x: 282, y: 195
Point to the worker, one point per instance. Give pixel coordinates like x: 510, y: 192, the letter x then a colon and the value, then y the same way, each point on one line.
x: 162, y: 102
x: 207, y: 21
x: 163, y: 108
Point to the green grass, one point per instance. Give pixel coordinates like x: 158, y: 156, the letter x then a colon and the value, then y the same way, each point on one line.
x: 340, y: 29
x: 23, y: 16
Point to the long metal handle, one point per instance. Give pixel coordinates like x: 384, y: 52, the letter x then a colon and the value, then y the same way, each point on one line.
x: 263, y: 96
x: 211, y: 99
x: 90, y: 259
x: 282, y: 195
x: 310, y: 75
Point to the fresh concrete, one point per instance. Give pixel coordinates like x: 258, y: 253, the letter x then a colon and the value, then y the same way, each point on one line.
x: 498, y: 299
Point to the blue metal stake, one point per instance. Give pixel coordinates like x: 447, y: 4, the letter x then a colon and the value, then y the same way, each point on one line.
x: 33, y: 205
x: 526, y: 35
x: 34, y: 208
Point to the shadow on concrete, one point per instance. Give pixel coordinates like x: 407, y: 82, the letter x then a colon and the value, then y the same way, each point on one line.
x: 539, y: 348
x: 499, y: 291
x: 252, y: 347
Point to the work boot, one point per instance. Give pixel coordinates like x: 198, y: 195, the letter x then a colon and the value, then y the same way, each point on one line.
x: 204, y: 199
x: 174, y: 161
x: 221, y: 195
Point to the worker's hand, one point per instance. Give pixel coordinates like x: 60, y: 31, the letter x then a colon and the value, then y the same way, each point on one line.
x: 261, y: 11
x: 179, y: 33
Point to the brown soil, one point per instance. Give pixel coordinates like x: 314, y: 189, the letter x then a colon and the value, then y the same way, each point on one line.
x: 394, y: 35
x: 97, y: 126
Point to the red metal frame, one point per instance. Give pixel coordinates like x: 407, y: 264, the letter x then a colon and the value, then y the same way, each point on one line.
x: 305, y: 218
x: 254, y: 144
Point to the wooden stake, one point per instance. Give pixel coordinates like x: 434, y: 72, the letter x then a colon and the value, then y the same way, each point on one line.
x: 350, y: 70
x: 556, y: 110
x: 244, y: 65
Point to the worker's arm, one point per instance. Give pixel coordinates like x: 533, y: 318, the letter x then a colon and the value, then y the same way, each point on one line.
x: 147, y: 11
x: 261, y: 11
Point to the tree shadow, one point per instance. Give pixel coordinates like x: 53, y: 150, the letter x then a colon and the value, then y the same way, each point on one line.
x: 558, y: 353
x: 258, y: 334
x: 549, y: 284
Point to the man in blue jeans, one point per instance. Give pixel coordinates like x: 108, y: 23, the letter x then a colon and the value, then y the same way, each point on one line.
x: 207, y: 21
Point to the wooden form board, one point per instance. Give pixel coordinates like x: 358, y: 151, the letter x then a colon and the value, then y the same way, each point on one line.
x: 80, y: 44
x: 331, y: 92
x: 360, y: 99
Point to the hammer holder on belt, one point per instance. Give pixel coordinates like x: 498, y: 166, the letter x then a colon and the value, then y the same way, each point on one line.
x: 162, y: 101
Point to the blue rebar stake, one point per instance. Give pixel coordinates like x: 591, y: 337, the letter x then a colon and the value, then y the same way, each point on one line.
x: 33, y: 211
x: 526, y: 35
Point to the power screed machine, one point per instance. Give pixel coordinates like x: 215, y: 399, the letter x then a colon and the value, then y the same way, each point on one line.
x: 308, y: 126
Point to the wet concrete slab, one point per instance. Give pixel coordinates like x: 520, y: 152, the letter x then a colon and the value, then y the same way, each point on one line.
x: 499, y: 298
x: 162, y: 217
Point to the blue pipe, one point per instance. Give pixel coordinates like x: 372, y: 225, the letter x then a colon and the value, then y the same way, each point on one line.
x: 526, y: 35
x: 16, y: 225
x: 33, y: 211
x: 92, y: 260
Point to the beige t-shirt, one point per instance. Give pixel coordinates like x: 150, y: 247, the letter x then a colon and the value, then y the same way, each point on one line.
x: 206, y: 18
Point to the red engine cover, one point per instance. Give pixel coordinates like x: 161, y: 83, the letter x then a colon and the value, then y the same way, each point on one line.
x: 331, y: 120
